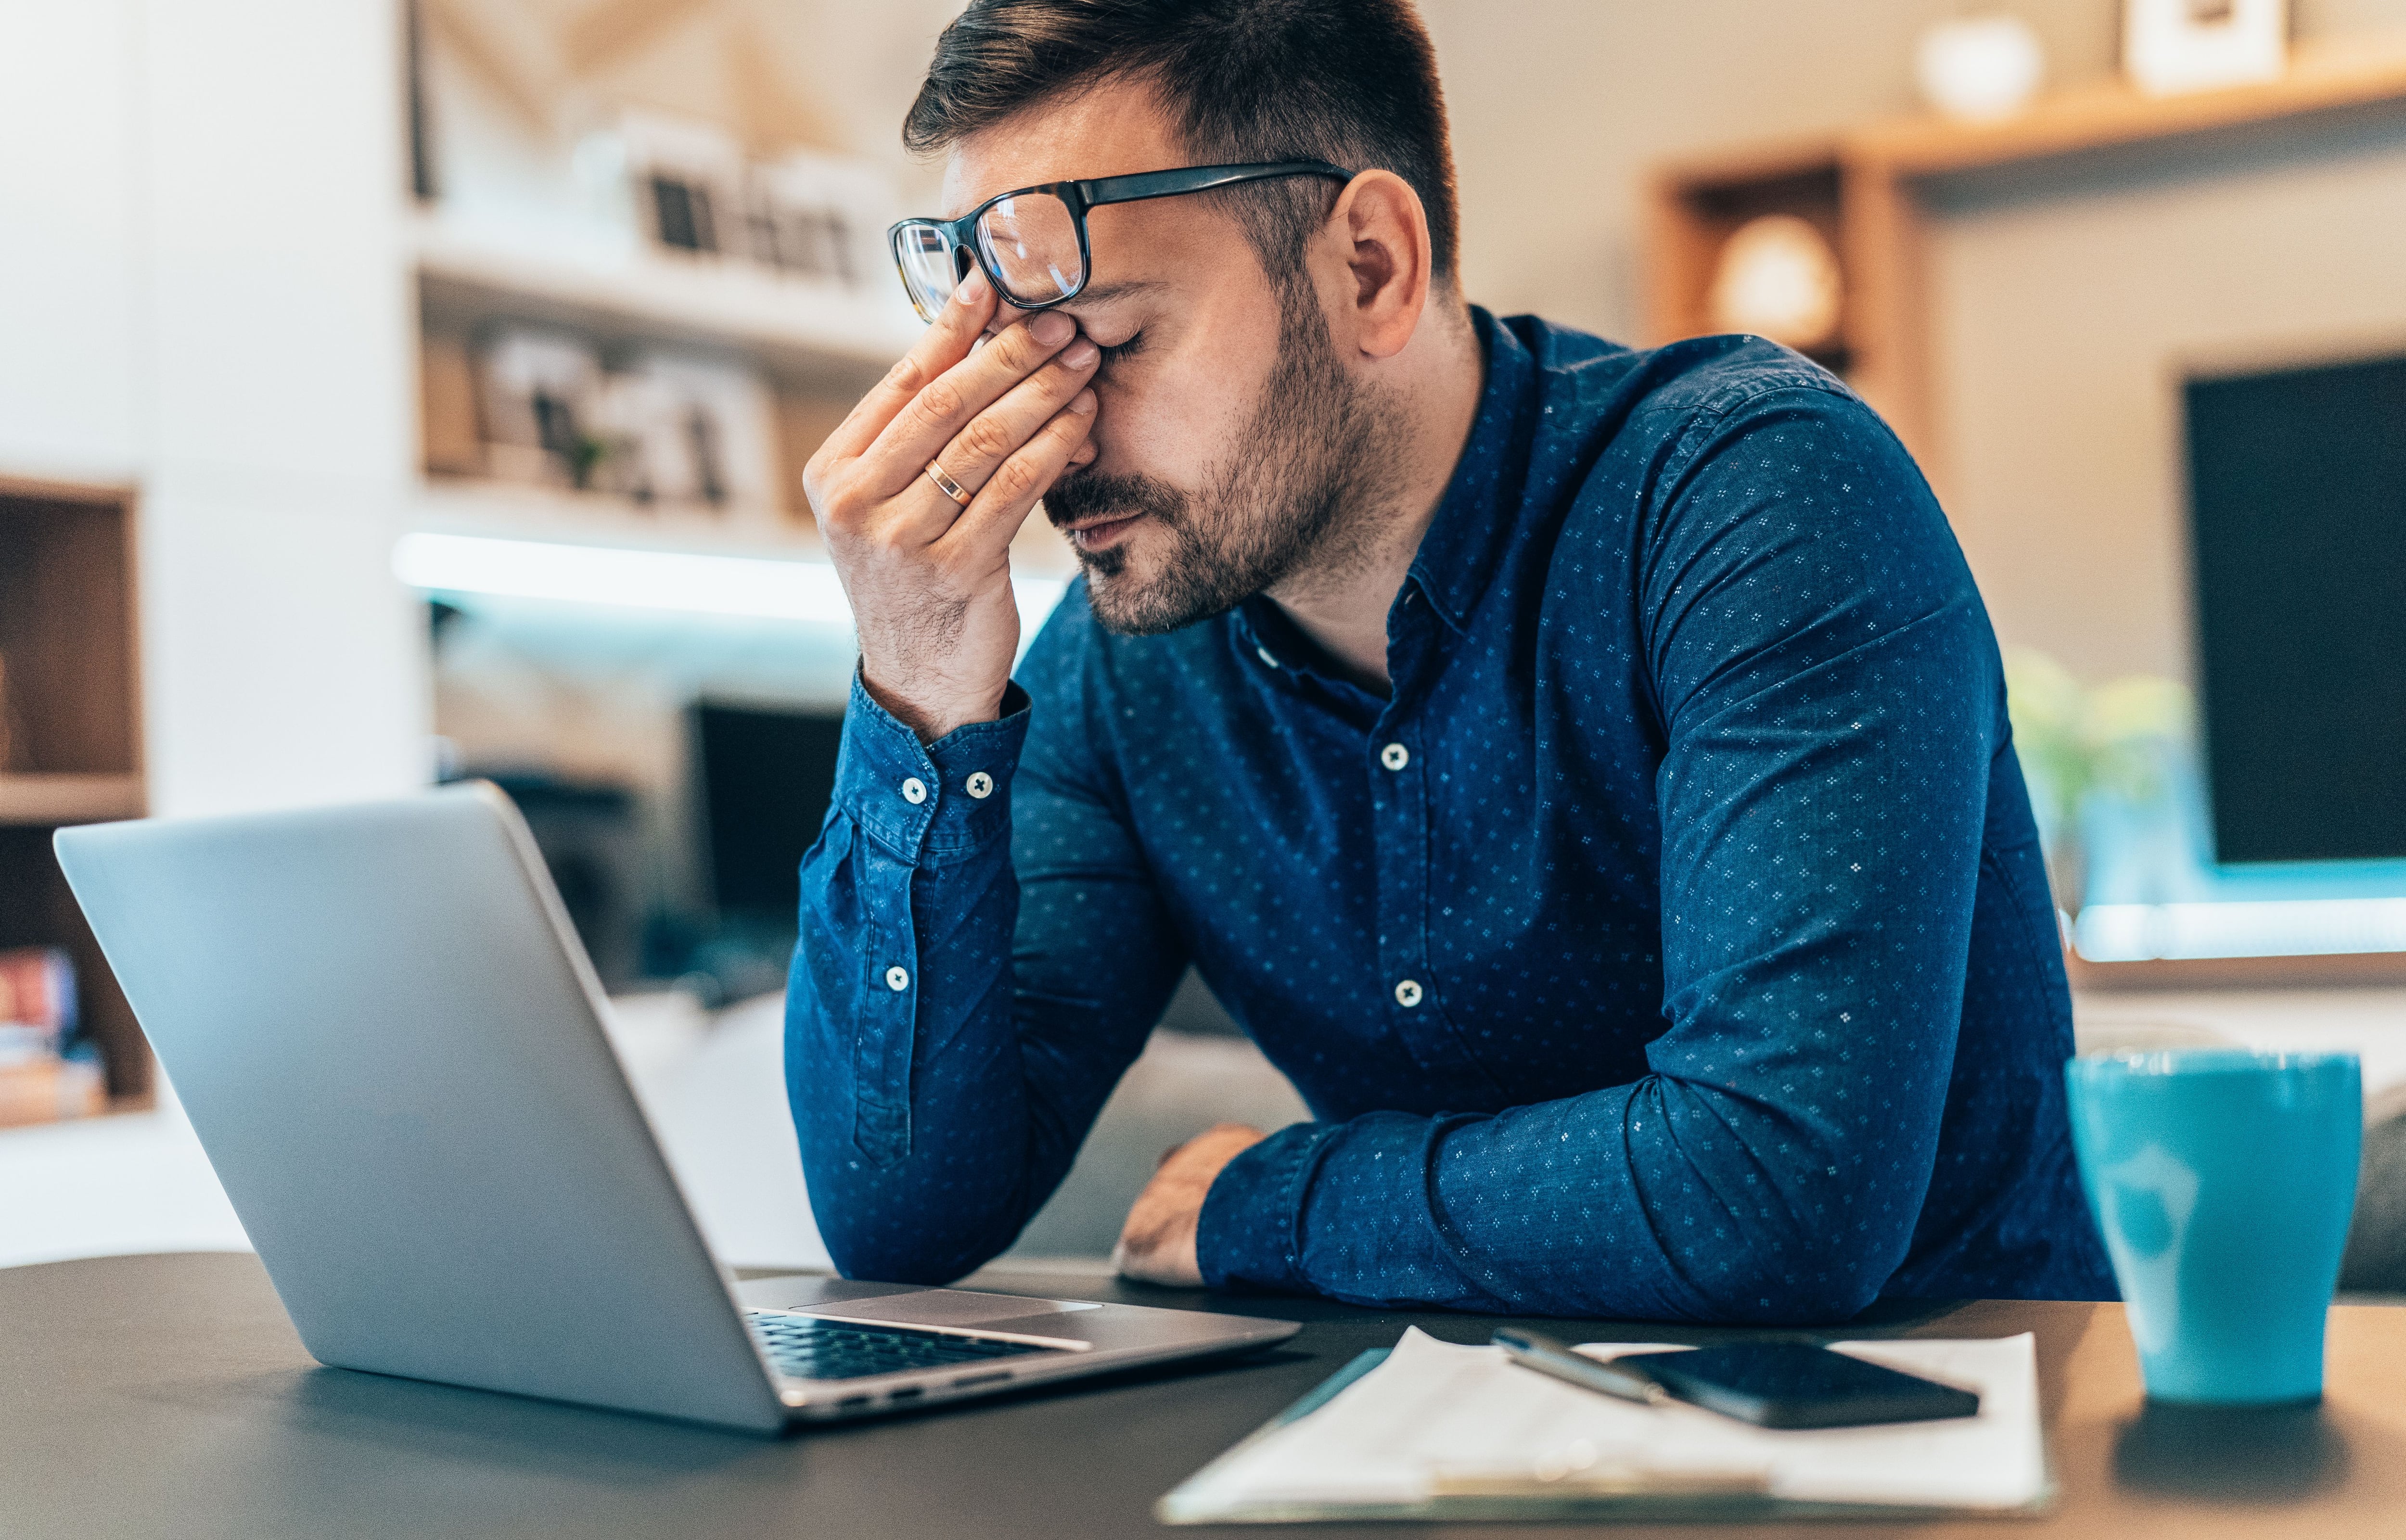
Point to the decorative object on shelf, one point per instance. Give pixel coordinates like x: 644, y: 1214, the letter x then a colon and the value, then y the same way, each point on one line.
x: 2076, y: 742
x: 822, y: 217
x: 808, y: 214
x: 690, y: 431
x: 2174, y: 46
x: 663, y: 430
x: 539, y: 389
x: 1979, y: 68
x: 1777, y: 277
x: 37, y: 1021
x: 689, y: 179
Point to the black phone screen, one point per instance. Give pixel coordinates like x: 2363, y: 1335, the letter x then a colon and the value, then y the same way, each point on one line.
x: 1797, y: 1385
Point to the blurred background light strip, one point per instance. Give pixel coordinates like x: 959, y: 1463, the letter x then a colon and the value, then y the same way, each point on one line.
x: 761, y: 587
x: 2296, y: 927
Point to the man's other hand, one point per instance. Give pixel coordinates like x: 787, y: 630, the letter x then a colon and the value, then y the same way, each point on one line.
x: 1157, y: 1243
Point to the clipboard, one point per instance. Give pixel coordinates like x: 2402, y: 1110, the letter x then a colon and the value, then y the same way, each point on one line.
x: 1732, y: 1494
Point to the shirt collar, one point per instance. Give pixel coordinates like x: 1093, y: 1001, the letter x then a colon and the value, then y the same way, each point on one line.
x: 1466, y: 540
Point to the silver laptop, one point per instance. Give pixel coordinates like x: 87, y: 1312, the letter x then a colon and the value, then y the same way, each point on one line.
x: 391, y: 1045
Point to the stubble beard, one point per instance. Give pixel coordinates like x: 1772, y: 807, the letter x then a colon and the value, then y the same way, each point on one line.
x: 1300, y: 489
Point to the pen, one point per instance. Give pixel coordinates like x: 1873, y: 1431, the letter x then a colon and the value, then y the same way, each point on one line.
x: 1532, y: 1350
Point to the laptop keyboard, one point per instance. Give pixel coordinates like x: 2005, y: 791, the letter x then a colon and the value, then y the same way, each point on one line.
x: 805, y: 1348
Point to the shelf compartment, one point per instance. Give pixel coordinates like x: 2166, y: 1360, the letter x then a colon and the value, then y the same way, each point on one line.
x: 50, y: 800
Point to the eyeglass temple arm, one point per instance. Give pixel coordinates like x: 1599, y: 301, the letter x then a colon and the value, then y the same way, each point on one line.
x: 1201, y: 178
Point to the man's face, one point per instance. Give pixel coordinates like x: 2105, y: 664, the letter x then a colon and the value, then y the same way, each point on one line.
x: 1233, y: 440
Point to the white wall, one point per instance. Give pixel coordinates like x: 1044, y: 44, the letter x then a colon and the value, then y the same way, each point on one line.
x: 202, y: 292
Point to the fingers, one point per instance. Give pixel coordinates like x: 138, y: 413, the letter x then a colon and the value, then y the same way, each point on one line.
x: 947, y: 342
x: 995, y: 434
x: 1003, y: 505
x: 945, y: 406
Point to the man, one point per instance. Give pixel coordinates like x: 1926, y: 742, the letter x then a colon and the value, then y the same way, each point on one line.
x: 1583, y: 771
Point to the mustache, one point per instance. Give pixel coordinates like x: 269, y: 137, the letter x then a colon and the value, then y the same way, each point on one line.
x: 1089, y: 494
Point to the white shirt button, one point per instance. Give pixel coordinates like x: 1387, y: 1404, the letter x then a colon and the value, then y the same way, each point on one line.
x: 1395, y: 757
x: 898, y: 978
x: 981, y: 786
x: 914, y: 791
x: 1408, y: 994
x: 1263, y: 653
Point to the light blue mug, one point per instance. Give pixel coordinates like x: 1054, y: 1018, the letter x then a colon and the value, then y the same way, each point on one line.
x: 2223, y: 1180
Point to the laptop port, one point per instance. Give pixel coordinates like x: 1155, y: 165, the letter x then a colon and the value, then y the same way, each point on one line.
x: 856, y: 1401
x: 967, y: 1380
x: 907, y: 1392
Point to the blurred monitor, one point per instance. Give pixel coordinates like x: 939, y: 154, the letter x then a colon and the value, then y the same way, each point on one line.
x: 765, y: 776
x: 2297, y: 518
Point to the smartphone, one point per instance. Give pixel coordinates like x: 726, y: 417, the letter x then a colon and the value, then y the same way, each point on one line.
x: 1798, y: 1385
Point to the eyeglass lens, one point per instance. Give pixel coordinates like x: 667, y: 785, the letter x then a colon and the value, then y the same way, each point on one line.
x: 1030, y: 242
x: 931, y: 269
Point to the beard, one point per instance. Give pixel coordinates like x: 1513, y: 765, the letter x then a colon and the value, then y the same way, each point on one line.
x: 1300, y: 487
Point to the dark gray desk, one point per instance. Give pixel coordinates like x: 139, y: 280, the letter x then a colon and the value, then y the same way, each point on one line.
x: 168, y: 1396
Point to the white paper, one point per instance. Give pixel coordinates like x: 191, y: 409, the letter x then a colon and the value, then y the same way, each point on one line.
x: 1435, y: 1407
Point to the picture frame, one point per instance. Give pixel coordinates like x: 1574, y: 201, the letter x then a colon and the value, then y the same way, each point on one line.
x: 2170, y: 47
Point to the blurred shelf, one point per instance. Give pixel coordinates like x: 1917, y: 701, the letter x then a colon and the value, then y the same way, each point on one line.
x: 48, y: 799
x: 497, y: 510
x: 501, y: 510
x: 1865, y: 188
x: 2305, y: 971
x: 2322, y: 77
x: 799, y: 330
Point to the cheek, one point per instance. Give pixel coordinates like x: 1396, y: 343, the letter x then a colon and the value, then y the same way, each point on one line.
x: 1173, y: 417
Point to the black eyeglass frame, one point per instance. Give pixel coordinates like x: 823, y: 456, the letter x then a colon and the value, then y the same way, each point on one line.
x: 961, y: 234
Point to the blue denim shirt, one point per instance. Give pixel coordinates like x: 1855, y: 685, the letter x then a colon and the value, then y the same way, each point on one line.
x: 1672, y: 943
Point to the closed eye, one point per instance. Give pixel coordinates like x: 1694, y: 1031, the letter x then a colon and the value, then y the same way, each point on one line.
x: 1113, y: 354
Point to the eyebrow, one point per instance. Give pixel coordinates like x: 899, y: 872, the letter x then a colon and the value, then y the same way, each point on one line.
x: 1101, y: 293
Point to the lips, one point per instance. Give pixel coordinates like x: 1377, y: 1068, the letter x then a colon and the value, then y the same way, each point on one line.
x: 1093, y: 534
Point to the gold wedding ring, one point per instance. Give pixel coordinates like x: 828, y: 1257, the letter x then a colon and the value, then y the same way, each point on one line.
x: 947, y: 485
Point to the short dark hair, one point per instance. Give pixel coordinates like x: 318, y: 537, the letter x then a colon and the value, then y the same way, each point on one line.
x: 1351, y: 81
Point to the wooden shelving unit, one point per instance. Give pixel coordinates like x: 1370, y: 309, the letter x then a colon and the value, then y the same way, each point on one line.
x: 1865, y: 189
x: 74, y: 739
x: 818, y: 347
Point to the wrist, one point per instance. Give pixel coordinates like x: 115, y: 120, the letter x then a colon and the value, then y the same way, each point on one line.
x: 933, y: 719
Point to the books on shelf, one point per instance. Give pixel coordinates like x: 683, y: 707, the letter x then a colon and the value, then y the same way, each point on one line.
x: 37, y: 1018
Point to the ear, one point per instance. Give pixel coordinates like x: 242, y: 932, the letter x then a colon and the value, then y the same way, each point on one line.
x: 1380, y: 232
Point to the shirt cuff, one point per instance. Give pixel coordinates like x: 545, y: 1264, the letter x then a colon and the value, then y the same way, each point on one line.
x: 1251, y: 1232
x: 928, y: 799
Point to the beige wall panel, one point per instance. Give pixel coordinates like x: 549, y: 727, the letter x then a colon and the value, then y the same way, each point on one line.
x: 2065, y: 308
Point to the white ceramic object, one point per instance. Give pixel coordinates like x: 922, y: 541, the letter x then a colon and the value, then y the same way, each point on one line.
x: 2174, y: 46
x: 1778, y: 279
x: 1981, y: 68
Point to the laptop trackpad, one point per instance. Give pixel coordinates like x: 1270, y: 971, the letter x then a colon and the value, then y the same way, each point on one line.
x: 946, y: 1308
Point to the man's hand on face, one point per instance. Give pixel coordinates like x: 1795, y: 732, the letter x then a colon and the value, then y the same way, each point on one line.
x: 930, y: 579
x: 1157, y: 1243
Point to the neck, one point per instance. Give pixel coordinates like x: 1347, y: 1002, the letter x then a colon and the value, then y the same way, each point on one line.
x: 1340, y: 600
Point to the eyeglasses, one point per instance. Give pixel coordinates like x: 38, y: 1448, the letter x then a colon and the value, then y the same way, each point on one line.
x: 1032, y: 242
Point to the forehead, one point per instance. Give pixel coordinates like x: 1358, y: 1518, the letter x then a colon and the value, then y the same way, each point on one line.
x: 1110, y: 129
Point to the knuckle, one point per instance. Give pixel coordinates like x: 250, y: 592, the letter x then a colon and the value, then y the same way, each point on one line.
x: 908, y: 373
x: 986, y: 439
x: 1015, y: 478
x: 939, y: 400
